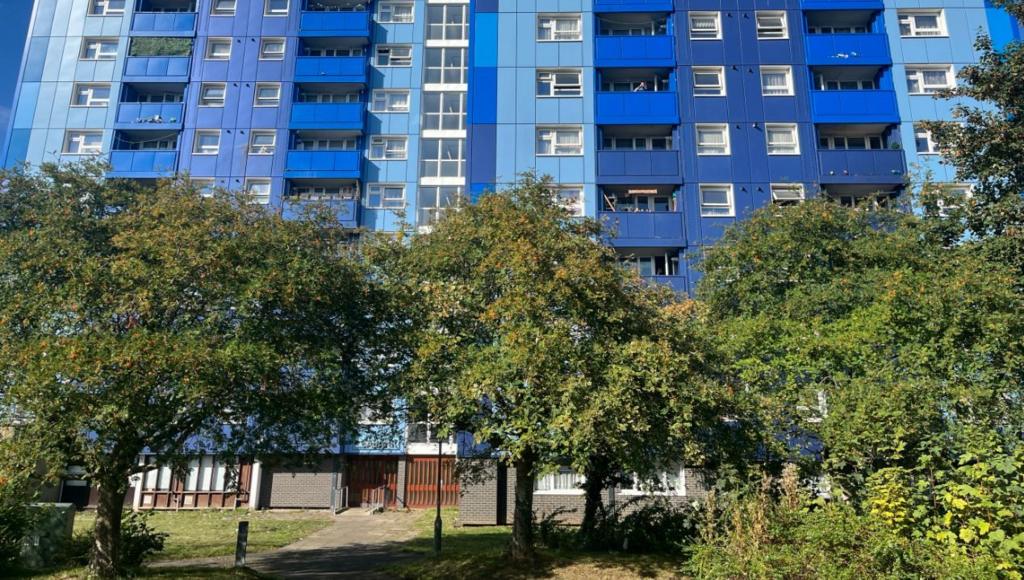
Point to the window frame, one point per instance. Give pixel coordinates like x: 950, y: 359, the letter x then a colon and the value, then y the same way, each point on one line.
x: 545, y: 484
x: 575, y: 209
x: 427, y: 112
x: 772, y: 187
x: 793, y: 130
x: 268, y: 11
x: 718, y: 71
x: 933, y: 147
x: 204, y: 86
x: 215, y: 11
x: 386, y: 92
x: 552, y: 26
x: 383, y: 201
x: 90, y: 102
x: 726, y: 144
x: 100, y: 55
x: 256, y: 95
x: 917, y: 72
x: 707, y: 208
x: 554, y: 147
x: 392, y: 3
x: 911, y: 13
x: 384, y: 139
x: 198, y: 149
x: 264, y: 149
x: 389, y: 47
x: 69, y: 137
x: 441, y: 162
x: 784, y: 68
x: 107, y: 11
x: 264, y: 41
x: 717, y: 14
x: 251, y: 181
x: 784, y: 34
x: 443, y: 69
x: 212, y: 41
x: 554, y: 72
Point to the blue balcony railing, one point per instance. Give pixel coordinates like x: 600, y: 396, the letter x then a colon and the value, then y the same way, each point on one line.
x: 334, y: 24
x: 143, y: 163
x: 848, y: 50
x: 639, y: 108
x: 854, y: 107
x: 347, y: 210
x: 149, y: 115
x: 347, y: 116
x: 638, y: 167
x: 330, y: 69
x: 635, y: 51
x: 677, y: 283
x: 644, y: 229
x: 323, y: 164
x: 842, y: 4
x: 633, y: 6
x: 882, y: 166
x: 156, y: 68
x: 163, y: 23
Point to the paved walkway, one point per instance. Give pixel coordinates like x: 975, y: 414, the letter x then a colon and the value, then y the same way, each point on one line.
x: 356, y: 545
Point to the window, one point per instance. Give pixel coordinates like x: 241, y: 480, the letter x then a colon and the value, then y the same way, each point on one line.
x: 325, y: 98
x: 262, y: 142
x: 445, y: 65
x: 390, y: 101
x: 824, y: 83
x: 852, y: 143
x: 90, y: 95
x: 433, y: 202
x: 384, y: 196
x: 708, y: 81
x: 206, y: 474
x: 782, y: 139
x: 771, y: 25
x: 83, y: 142
x: 394, y: 55
x: 443, y: 158
x: 99, y: 49
x: 444, y: 111
x: 559, y: 83
x: 917, y: 23
x: 787, y: 193
x: 302, y: 143
x: 705, y: 26
x: 387, y: 148
x: 924, y: 143
x: 325, y: 51
x: 570, y: 197
x: 258, y: 190
x: 218, y: 48
x: 106, y: 8
x: 222, y: 7
x: 206, y: 186
x: 322, y: 192
x: 660, y: 264
x: 272, y: 49
x: 637, y: 143
x: 447, y: 22
x: 923, y: 80
x: 394, y: 12
x: 559, y: 28
x: 776, y: 81
x: 267, y: 95
x: 716, y: 200
x: 564, y: 480
x: 669, y: 482
x: 212, y: 94
x: 560, y: 141
x: 275, y: 8
x: 713, y: 139
x: 207, y: 142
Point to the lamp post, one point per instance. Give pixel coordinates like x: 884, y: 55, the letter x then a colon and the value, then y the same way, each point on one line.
x: 437, y: 518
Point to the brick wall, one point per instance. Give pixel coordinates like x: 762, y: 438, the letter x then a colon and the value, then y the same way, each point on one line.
x: 298, y: 486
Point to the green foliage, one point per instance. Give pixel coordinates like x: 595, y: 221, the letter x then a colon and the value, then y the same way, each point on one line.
x: 160, y: 46
x: 15, y: 518
x: 647, y: 525
x: 138, y: 539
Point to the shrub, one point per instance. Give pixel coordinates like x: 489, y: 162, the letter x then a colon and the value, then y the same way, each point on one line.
x: 645, y: 524
x: 16, y: 519
x: 160, y: 47
x: 139, y: 539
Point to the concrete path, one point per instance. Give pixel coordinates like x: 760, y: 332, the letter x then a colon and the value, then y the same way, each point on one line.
x: 356, y: 545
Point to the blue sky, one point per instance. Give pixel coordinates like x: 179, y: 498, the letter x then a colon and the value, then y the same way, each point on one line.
x: 14, y: 16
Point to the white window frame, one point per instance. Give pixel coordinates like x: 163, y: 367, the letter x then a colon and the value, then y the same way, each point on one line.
x: 791, y: 128
x: 444, y: 68
x: 922, y: 133
x: 383, y: 97
x: 428, y: 111
x: 216, y: 10
x: 778, y: 191
x: 198, y: 149
x: 776, y: 69
x: 554, y: 483
x: 771, y: 32
x: 264, y: 103
x: 269, y: 10
x: 204, y: 100
x: 909, y: 17
x: 636, y: 490
x: 547, y: 25
x: 458, y: 160
x: 716, y: 210
x: 703, y: 35
x: 212, y: 41
x: 460, y: 28
x: 262, y: 149
x: 405, y: 61
x: 722, y: 128
x: 387, y: 153
x: 262, y: 199
x: 79, y: 136
x: 380, y: 191
x: 575, y: 207
x: 99, y: 41
x: 553, y: 84
x: 718, y: 71
x: 554, y: 147
x: 383, y: 18
x: 90, y: 99
x: 916, y: 72
x: 105, y: 9
x: 264, y: 55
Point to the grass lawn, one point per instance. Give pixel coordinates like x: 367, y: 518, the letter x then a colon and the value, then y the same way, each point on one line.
x: 175, y: 573
x: 478, y: 552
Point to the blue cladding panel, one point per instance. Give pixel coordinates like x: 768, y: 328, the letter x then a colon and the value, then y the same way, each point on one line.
x: 634, y: 51
x: 645, y: 229
x: 848, y: 50
x: 347, y: 211
x: 855, y: 107
x: 327, y: 116
x: 335, y: 24
x: 336, y: 164
x: 144, y: 164
x: 842, y: 4
x: 163, y: 23
x: 862, y: 167
x: 641, y: 167
x: 338, y: 69
x: 677, y: 283
x: 633, y: 5
x: 639, y: 108
x: 157, y: 68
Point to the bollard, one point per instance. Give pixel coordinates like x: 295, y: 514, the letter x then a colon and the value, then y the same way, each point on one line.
x: 241, y: 544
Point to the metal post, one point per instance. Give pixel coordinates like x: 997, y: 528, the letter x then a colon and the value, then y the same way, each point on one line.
x: 437, y: 518
x: 242, y: 543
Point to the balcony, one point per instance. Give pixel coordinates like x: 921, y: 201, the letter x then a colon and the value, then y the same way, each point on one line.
x: 633, y: 6
x: 159, y: 69
x: 637, y: 108
x: 854, y: 107
x: 635, y: 51
x: 318, y: 23
x: 142, y: 164
x: 163, y: 24
x: 330, y: 69
x: 149, y: 116
x: 644, y: 229
x: 638, y: 167
x: 842, y: 4
x: 870, y: 49
x: 875, y: 167
x: 677, y: 283
x: 347, y: 210
x: 323, y: 164
x: 342, y: 116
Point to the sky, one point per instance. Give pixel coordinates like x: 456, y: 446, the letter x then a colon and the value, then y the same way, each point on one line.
x: 14, y: 17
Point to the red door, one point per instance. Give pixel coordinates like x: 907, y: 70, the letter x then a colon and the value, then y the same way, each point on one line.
x: 421, y: 475
x: 372, y: 480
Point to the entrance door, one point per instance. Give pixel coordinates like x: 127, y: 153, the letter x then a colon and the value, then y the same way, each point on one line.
x: 75, y: 491
x: 372, y: 480
x: 421, y: 474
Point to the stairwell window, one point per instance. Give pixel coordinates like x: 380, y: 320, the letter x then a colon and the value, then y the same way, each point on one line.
x: 207, y: 142
x: 771, y: 25
x: 83, y: 142
x: 559, y: 83
x: 394, y: 12
x: 776, y: 81
x: 445, y: 66
x: 212, y: 94
x: 98, y: 49
x: 782, y: 139
x: 262, y: 142
x: 393, y: 55
x: 705, y: 25
x: 385, y: 148
x: 384, y: 196
x: 713, y: 139
x: 258, y: 190
x: 927, y: 80
x: 218, y: 48
x: 716, y: 200
x: 106, y: 8
x: 559, y: 27
x: 924, y: 143
x: 272, y: 48
x: 447, y: 22
x: 275, y: 7
x: 267, y: 95
x: 390, y: 101
x: 560, y: 141
x: 442, y: 158
x: 444, y: 111
x: 787, y: 193
x: 433, y: 201
x: 708, y: 81
x: 90, y: 95
x: 922, y: 23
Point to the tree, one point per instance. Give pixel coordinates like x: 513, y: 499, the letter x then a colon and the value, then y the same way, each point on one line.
x: 137, y: 319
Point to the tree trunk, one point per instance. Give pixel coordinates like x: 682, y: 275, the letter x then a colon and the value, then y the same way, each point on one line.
x: 106, y: 553
x: 522, y: 522
x: 594, y: 506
